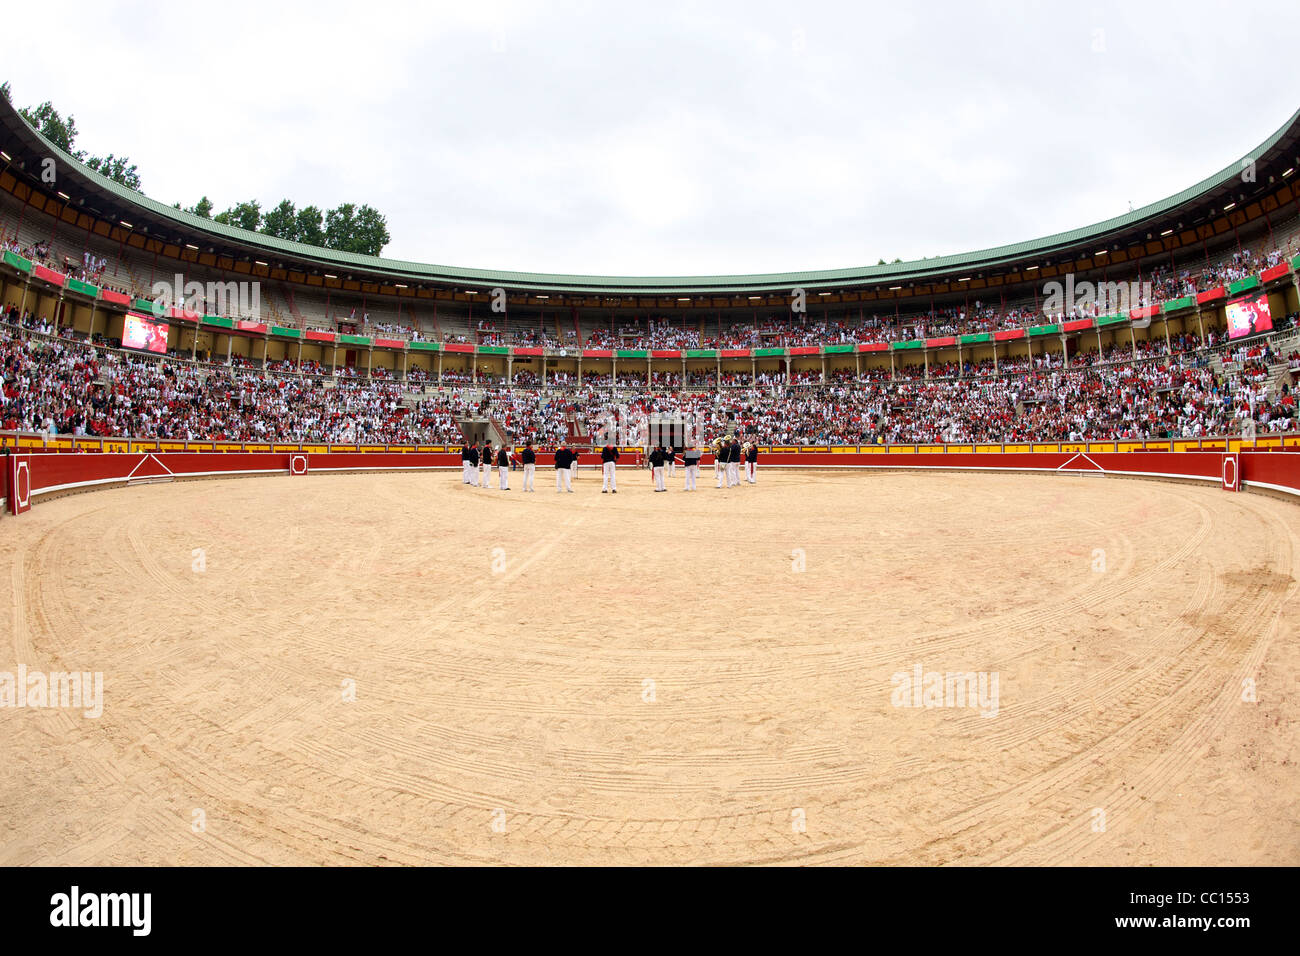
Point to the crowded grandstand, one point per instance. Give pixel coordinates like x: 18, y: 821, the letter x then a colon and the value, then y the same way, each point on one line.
x: 363, y: 358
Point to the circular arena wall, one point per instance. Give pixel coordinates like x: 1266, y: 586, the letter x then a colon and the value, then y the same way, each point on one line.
x: 393, y: 668
x: 31, y: 476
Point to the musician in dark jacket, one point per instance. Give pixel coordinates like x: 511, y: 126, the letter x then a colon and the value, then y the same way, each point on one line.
x: 529, y: 457
x: 609, y: 459
x: 471, y: 450
x: 564, y: 458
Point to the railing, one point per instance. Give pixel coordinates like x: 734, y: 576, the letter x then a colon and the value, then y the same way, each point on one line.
x: 29, y: 442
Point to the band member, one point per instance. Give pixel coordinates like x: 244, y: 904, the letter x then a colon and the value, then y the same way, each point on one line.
x: 733, y: 463
x: 563, y: 473
x: 751, y: 462
x: 573, y: 465
x: 670, y: 455
x: 503, y: 466
x: 719, y: 461
x: 608, y: 459
x: 691, y: 459
x: 464, y: 464
x: 485, y: 465
x: 472, y: 464
x: 530, y: 465
x: 657, y: 468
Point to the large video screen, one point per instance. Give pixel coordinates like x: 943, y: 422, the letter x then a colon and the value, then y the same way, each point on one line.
x: 1249, y: 316
x: 146, y: 334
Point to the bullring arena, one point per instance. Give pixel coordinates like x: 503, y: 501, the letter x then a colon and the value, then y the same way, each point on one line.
x: 1016, y: 583
x: 713, y: 687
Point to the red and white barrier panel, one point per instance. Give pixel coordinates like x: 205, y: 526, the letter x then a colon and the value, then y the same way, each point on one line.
x: 1231, y: 473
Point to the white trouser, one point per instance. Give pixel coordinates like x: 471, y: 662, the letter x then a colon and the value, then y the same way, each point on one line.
x: 751, y: 471
x: 691, y: 472
x: 573, y: 470
x: 484, y: 475
x: 473, y: 474
x: 563, y: 479
x: 659, y: 478
x: 733, y: 473
x: 504, y: 472
x: 610, y: 479
x: 672, y: 467
x: 718, y: 468
x: 464, y: 471
x: 529, y: 470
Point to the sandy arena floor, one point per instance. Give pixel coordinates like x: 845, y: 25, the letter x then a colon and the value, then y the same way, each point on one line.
x: 642, y: 679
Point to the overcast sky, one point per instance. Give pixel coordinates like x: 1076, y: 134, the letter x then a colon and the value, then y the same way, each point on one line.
x: 674, y: 138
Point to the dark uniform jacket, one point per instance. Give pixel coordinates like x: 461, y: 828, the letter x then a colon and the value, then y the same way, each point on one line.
x: 609, y: 453
x: 563, y: 458
x: 503, y: 458
x: 529, y: 456
x: 471, y: 452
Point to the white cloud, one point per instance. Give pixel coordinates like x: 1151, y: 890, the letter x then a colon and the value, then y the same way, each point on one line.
x: 673, y: 138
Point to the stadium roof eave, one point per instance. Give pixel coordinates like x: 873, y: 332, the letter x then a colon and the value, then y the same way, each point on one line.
x: 387, y: 271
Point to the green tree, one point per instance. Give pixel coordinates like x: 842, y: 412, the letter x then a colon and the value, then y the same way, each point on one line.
x: 246, y: 215
x: 361, y: 230
x: 47, y: 121
x: 310, y: 226
x: 202, y: 208
x: 63, y: 134
x: 282, y: 221
x: 117, y: 169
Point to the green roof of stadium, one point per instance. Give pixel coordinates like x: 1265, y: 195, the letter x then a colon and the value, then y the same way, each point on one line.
x: 376, y: 268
